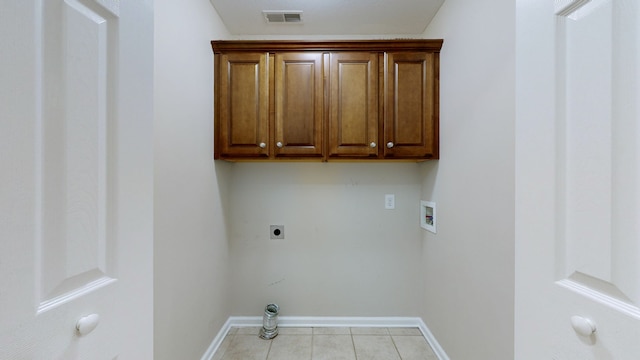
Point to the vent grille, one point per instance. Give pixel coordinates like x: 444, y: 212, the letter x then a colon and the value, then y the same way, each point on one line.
x: 283, y: 16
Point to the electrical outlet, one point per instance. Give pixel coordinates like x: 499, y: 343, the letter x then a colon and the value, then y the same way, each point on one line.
x: 389, y: 201
x: 276, y: 232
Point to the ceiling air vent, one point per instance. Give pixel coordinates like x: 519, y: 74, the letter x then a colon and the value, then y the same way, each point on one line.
x: 282, y: 16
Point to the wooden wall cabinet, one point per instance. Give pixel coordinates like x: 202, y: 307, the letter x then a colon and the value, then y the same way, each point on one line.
x: 411, y: 119
x: 353, y: 126
x: 242, y: 105
x: 326, y: 100
x: 298, y: 104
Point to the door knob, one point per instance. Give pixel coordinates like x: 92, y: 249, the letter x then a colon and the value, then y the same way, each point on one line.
x: 86, y: 324
x: 372, y: 144
x: 582, y: 325
x: 279, y: 144
x: 262, y: 145
x: 390, y: 144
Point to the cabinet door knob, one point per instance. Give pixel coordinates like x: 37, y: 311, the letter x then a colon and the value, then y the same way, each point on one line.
x: 279, y: 144
x: 262, y: 145
x: 390, y: 144
x: 372, y: 144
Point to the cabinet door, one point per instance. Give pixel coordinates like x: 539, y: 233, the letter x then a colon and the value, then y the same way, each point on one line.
x: 242, y: 111
x: 411, y: 121
x: 298, y: 104
x: 353, y: 114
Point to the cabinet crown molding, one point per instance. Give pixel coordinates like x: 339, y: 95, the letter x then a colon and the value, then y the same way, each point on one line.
x: 432, y: 45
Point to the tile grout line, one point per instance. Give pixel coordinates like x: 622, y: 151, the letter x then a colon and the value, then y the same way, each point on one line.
x: 353, y: 344
x: 269, y: 351
x: 313, y: 337
x: 393, y: 341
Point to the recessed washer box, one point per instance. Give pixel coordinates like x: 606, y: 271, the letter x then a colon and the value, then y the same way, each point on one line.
x: 428, y: 215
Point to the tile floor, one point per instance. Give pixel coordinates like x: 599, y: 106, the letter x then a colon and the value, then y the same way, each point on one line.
x: 325, y: 343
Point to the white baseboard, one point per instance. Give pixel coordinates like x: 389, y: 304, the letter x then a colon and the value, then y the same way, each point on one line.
x: 326, y: 321
x: 215, y: 344
x: 435, y: 346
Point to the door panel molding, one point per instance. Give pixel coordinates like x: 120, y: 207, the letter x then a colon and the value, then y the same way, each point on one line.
x: 600, y: 296
x: 74, y: 156
x: 598, y: 168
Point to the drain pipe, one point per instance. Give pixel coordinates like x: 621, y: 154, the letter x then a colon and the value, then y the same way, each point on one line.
x: 270, y: 322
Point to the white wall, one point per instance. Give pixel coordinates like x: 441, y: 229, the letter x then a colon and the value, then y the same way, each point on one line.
x: 191, y: 252
x: 343, y: 253
x: 469, y: 263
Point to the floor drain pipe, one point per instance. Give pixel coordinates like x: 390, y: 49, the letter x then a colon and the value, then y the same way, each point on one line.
x: 270, y: 322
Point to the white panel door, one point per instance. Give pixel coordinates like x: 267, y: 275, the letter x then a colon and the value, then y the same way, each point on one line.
x: 76, y: 179
x: 578, y: 180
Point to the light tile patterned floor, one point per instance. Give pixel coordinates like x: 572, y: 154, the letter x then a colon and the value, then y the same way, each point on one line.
x: 326, y: 343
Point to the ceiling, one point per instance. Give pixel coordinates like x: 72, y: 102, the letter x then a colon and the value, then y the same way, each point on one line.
x: 400, y: 18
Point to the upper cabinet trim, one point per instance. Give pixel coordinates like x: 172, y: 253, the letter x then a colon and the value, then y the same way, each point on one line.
x: 433, y: 45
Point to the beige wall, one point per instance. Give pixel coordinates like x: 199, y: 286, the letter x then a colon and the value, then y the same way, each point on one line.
x: 191, y: 252
x: 343, y: 253
x: 469, y: 264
